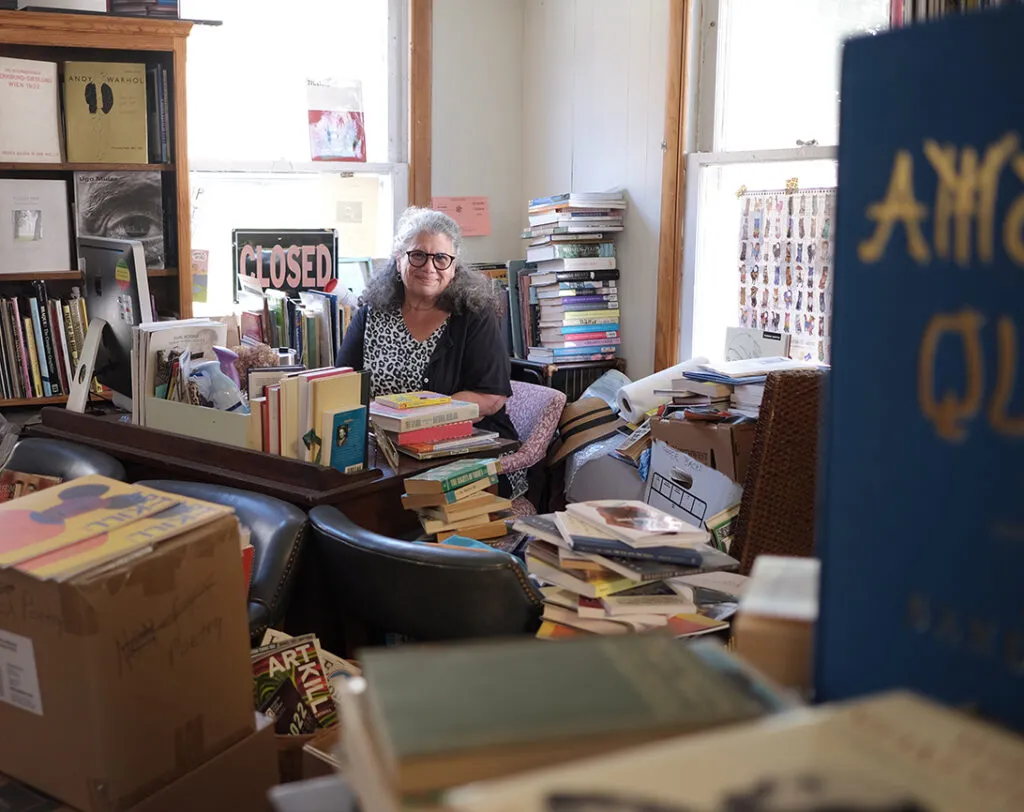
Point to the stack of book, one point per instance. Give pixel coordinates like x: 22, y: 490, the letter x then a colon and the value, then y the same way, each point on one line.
x: 459, y: 499
x: 573, y: 299
x: 427, y: 425
x: 617, y: 567
x: 423, y: 719
x: 729, y: 389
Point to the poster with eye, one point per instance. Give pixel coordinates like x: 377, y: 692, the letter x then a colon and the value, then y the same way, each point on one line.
x: 785, y: 267
x: 123, y: 206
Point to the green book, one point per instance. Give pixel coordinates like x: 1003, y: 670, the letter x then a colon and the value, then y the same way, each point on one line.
x: 448, y: 715
x: 451, y: 477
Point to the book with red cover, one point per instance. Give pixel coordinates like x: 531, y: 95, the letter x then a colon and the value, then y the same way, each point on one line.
x: 436, y: 434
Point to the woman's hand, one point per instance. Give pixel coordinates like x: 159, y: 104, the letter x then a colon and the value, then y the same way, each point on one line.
x: 489, y: 404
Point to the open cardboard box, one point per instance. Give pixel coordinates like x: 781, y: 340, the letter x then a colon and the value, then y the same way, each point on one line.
x: 723, y: 446
x: 212, y: 425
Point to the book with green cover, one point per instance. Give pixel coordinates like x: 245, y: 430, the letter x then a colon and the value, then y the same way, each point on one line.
x: 530, y: 703
x: 450, y: 477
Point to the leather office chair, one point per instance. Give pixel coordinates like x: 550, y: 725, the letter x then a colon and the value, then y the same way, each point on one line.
x: 45, y: 457
x: 421, y: 591
x: 278, y: 534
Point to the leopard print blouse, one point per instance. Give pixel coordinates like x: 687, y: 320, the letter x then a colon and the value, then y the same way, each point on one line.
x: 399, y: 361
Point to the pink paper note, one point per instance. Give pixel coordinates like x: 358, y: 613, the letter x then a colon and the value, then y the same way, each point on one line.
x: 473, y: 214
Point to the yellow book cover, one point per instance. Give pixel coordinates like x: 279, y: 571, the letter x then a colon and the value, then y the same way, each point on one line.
x: 65, y: 514
x: 105, y: 112
x: 413, y: 400
x: 33, y: 357
x: 332, y: 393
x: 290, y: 440
x: 85, y: 555
x: 576, y: 315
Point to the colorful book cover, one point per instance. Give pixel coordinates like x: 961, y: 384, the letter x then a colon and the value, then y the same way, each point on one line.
x: 73, y: 559
x: 920, y: 492
x: 297, y: 661
x: 413, y: 400
x: 344, y: 439
x: 57, y: 517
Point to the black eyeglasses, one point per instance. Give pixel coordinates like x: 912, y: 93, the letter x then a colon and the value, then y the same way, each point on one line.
x: 419, y: 258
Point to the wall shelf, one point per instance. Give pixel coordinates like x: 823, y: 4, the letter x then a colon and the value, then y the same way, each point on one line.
x: 57, y: 401
x: 9, y: 166
x: 45, y: 276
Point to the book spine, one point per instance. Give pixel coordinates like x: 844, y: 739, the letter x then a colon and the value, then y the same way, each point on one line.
x: 580, y: 276
x: 33, y: 354
x: 6, y: 381
x: 469, y: 477
x: 26, y: 372
x: 165, y: 117
x: 40, y: 348
x: 49, y: 338
x: 13, y: 352
x: 69, y: 331
x: 60, y: 344
x: 413, y: 422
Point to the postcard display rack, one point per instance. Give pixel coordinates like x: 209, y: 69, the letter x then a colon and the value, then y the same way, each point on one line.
x: 785, y: 267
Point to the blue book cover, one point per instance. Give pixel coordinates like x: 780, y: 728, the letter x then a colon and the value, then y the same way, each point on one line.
x: 37, y: 329
x: 921, y: 522
x: 345, y: 440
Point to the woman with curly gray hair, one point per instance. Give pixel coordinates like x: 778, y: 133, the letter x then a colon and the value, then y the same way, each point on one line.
x: 430, y: 323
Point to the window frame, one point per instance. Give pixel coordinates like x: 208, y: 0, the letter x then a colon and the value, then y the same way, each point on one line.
x: 692, y: 130
x: 398, y: 166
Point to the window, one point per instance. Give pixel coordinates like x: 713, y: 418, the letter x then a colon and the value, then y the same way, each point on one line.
x: 249, y: 147
x: 767, y: 110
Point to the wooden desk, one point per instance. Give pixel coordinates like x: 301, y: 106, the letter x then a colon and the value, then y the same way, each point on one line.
x: 371, y: 498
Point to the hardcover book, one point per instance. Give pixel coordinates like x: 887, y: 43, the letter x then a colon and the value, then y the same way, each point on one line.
x: 35, y: 235
x: 588, y: 696
x: 123, y: 206
x: 105, y: 112
x: 29, y: 111
x: 892, y: 753
x: 921, y: 487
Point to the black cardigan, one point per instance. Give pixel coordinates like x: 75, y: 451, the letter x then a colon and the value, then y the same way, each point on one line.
x: 470, y: 357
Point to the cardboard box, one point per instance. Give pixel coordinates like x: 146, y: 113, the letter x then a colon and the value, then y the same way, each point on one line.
x: 240, y: 778
x: 120, y: 680
x: 724, y: 447
x: 774, y: 627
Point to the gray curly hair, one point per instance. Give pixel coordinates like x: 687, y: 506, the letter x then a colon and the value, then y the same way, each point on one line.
x: 469, y: 290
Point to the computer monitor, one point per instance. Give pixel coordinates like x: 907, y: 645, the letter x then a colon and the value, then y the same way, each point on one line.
x: 117, y: 298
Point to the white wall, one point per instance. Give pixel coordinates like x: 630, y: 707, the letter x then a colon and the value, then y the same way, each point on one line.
x: 477, y: 104
x: 593, y: 118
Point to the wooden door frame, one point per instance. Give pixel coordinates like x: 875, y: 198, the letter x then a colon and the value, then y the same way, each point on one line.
x: 673, y: 186
x: 421, y: 14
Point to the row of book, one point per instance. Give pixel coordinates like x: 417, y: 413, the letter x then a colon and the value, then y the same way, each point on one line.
x: 312, y: 322
x: 567, y: 291
x: 908, y: 12
x: 619, y: 567
x: 40, y: 342
x: 112, y: 112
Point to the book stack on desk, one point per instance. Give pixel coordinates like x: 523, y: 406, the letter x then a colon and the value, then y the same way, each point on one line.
x: 598, y: 582
x: 459, y: 499
x: 427, y: 425
x: 571, y: 307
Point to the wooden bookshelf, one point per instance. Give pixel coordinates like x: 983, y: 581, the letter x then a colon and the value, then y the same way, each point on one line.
x: 11, y: 402
x: 57, y: 37
x: 7, y: 166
